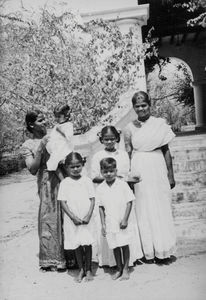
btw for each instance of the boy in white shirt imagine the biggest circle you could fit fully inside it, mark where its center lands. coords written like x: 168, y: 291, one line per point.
x: 115, y: 203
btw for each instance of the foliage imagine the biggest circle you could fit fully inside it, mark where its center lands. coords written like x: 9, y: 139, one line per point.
x: 58, y: 60
x: 195, y: 6
x: 172, y: 97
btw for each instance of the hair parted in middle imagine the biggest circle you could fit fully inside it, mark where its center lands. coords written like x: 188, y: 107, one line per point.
x: 107, y: 129
x: 74, y: 156
x: 142, y: 93
x: 108, y: 162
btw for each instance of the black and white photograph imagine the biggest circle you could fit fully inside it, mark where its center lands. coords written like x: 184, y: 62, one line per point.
x: 102, y: 149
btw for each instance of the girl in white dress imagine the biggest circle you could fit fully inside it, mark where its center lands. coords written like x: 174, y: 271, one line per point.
x: 146, y: 140
x: 76, y: 194
x: 115, y: 203
x: 109, y: 137
x: 60, y: 140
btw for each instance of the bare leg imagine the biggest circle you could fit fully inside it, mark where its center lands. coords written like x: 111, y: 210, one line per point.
x: 88, y: 263
x: 79, y: 255
x: 126, y: 256
x: 118, y: 259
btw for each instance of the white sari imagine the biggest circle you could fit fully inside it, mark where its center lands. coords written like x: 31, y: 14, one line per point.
x: 153, y: 195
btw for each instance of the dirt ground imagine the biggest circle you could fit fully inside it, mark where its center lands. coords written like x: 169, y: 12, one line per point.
x: 20, y: 277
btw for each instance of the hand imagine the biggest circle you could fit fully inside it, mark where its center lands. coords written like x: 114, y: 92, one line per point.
x: 86, y: 219
x: 44, y: 141
x: 104, y: 230
x: 171, y: 181
x: 98, y: 180
x: 123, y: 224
x: 134, y: 179
x: 77, y: 221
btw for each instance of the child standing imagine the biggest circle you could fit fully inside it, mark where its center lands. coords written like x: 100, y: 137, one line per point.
x: 115, y: 204
x: 76, y: 194
x: 60, y: 141
x: 109, y: 137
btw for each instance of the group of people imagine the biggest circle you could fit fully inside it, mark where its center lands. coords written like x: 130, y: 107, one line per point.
x: 120, y: 212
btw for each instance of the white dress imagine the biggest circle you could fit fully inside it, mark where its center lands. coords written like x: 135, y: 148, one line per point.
x: 153, y: 194
x: 106, y: 255
x: 59, y: 146
x: 77, y: 194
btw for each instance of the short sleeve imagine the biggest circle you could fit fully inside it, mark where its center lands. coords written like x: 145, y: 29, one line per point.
x: 167, y: 133
x: 26, y: 149
x: 62, y: 191
x: 25, y: 152
x: 98, y: 196
x: 129, y: 195
x: 95, y: 166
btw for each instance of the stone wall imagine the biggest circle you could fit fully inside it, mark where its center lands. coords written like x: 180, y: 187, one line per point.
x: 189, y: 195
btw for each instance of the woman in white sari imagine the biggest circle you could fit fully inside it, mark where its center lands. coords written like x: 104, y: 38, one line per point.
x: 146, y: 141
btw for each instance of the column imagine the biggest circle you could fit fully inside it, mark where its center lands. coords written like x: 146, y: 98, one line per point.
x: 200, y: 104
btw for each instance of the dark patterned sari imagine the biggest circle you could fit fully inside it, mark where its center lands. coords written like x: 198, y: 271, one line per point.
x: 50, y: 219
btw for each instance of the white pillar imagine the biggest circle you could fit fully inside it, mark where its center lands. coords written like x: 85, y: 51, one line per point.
x: 125, y: 18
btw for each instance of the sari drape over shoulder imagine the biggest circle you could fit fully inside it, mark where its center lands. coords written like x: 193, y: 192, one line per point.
x: 153, y: 195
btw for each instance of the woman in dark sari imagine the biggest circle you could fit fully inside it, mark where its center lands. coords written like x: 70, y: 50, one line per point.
x: 51, y: 251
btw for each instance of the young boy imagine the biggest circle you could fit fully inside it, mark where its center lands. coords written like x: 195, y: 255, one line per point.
x: 115, y: 204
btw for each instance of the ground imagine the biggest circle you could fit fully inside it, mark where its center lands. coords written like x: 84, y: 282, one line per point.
x: 20, y: 277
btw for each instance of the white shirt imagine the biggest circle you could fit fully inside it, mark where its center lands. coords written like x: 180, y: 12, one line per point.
x: 77, y: 194
x: 114, y: 199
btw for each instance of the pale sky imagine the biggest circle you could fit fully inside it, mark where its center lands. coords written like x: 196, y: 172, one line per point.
x: 79, y: 5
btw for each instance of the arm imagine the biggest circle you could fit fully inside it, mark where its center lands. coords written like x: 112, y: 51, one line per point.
x: 75, y: 219
x: 102, y: 217
x: 58, y: 129
x: 59, y: 174
x: 33, y: 163
x: 124, y: 222
x: 87, y: 218
x: 168, y: 160
x: 128, y: 142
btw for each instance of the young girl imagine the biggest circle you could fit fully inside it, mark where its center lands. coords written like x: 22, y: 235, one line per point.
x: 109, y: 137
x: 76, y: 194
x: 60, y: 141
x: 115, y: 204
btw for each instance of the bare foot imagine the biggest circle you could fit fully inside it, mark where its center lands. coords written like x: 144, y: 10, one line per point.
x: 125, y: 275
x: 89, y: 276
x: 117, y: 275
x: 80, y: 276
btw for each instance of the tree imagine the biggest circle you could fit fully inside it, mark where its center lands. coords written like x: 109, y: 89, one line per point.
x: 195, y: 6
x: 58, y: 60
x: 172, y: 97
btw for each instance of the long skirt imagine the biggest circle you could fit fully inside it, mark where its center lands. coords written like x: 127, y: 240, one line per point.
x: 50, y: 222
x: 153, y: 204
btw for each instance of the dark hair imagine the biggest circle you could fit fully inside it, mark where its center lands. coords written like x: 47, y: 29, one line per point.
x: 106, y: 129
x: 63, y: 109
x: 31, y: 118
x: 142, y: 93
x: 74, y: 155
x: 108, y: 162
